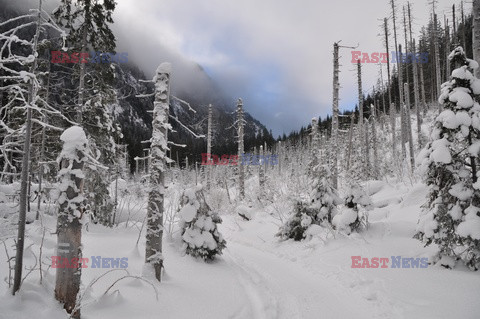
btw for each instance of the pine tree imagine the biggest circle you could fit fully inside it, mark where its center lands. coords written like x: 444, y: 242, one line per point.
x: 198, y: 225
x: 88, y: 23
x: 452, y: 218
x: 319, y: 211
x: 354, y: 215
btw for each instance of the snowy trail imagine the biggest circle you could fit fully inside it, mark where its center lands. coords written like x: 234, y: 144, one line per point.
x: 279, y: 288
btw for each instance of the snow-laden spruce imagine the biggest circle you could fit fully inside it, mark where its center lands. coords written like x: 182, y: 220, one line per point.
x: 319, y: 211
x: 354, y: 215
x: 450, y: 162
x: 198, y: 223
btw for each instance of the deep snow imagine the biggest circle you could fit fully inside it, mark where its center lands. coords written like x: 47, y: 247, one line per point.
x: 259, y: 276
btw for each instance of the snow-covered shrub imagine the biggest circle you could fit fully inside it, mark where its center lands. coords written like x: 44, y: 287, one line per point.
x: 324, y: 197
x: 354, y: 214
x: 199, y: 226
x: 296, y: 226
x: 451, y: 162
x: 320, y: 211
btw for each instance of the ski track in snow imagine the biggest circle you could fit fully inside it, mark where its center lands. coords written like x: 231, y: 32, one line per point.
x: 280, y: 288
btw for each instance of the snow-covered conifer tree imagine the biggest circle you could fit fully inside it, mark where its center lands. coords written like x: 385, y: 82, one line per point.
x: 354, y: 214
x: 198, y: 223
x: 451, y: 161
x: 319, y: 211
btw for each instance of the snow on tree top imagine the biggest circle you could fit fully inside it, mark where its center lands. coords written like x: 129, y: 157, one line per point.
x: 165, y: 67
x: 74, y: 138
x: 462, y: 73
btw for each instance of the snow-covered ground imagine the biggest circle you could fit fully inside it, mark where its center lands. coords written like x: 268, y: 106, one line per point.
x: 258, y: 276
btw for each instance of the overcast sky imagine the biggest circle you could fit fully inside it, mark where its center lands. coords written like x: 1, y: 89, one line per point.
x: 275, y: 54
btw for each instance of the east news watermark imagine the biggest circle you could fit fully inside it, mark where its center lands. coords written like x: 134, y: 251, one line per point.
x: 89, y: 57
x: 392, y: 262
x: 384, y: 57
x: 244, y: 159
x: 94, y: 262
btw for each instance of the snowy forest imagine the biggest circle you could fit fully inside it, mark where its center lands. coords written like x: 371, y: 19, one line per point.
x: 124, y: 194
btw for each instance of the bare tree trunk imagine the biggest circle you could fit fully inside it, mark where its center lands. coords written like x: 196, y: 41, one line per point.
x: 417, y: 100
x: 374, y: 142
x: 391, y: 105
x: 393, y: 124
x: 69, y: 228
x: 209, y: 145
x: 40, y: 170
x: 279, y: 154
x: 367, y: 148
x: 437, y: 60
x: 153, y: 247
x: 241, y: 171
x: 32, y: 93
x: 409, y: 127
x: 403, y: 131
x: 81, y: 85
x: 261, y: 173
x: 350, y: 140
x: 476, y: 34
x: 464, y: 43
x: 398, y: 49
x: 422, y: 90
x: 42, y: 147
x: 447, y: 49
x: 360, y: 115
x: 336, y: 86
x: 454, y: 21
x: 415, y: 80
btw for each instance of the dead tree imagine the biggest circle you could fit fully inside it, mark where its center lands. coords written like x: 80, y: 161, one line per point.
x: 437, y: 58
x: 391, y: 105
x: 153, y: 247
x: 261, y: 172
x: 367, y: 168
x: 336, y: 86
x: 409, y: 126
x: 361, y: 127
x: 350, y: 140
x: 464, y: 43
x: 398, y: 53
x: 415, y: 80
x: 374, y: 142
x: 32, y: 97
x: 476, y: 34
x: 209, y: 145
x: 422, y: 91
x: 69, y: 226
x: 403, y: 130
x: 241, y: 171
